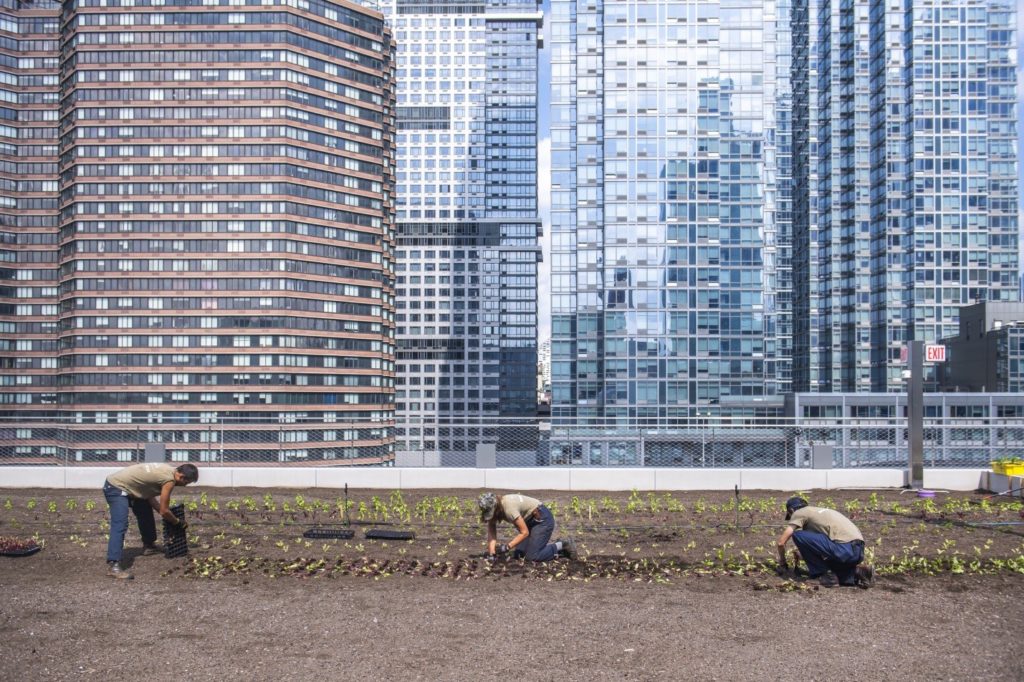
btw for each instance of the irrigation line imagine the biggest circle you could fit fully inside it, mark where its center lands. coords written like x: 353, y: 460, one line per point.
x: 305, y: 524
x: 294, y: 536
x: 288, y: 528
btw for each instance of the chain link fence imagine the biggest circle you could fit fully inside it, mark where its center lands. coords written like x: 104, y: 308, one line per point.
x: 235, y: 442
x: 788, y: 443
x: 702, y: 443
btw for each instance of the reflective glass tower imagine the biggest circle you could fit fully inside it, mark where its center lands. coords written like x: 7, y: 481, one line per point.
x: 906, y: 193
x: 671, y: 146
x: 751, y: 198
x: 215, y: 239
x: 468, y: 225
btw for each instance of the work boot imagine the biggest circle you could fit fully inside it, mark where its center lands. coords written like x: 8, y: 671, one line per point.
x: 115, y: 570
x: 151, y: 549
x: 569, y: 549
x: 865, y: 576
x: 828, y: 580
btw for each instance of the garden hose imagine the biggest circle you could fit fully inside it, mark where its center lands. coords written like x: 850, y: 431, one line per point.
x: 1005, y: 492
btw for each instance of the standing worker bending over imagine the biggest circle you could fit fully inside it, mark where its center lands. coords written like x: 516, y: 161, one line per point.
x: 141, y: 488
x: 532, y: 519
x: 828, y: 541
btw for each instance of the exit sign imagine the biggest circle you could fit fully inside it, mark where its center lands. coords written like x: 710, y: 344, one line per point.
x: 934, y: 353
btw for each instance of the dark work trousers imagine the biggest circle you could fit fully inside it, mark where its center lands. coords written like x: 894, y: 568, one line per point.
x: 119, y: 503
x: 538, y: 547
x: 823, y: 554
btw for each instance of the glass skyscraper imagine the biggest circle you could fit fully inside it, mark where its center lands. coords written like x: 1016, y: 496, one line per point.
x: 752, y: 197
x: 198, y: 223
x: 906, y: 192
x: 671, y: 145
x: 467, y: 224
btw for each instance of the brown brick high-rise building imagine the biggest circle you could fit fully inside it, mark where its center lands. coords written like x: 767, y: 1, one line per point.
x: 211, y: 264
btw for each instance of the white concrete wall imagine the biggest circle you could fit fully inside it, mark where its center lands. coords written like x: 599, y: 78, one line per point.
x: 875, y: 478
x: 85, y: 477
x: 1010, y: 486
x: 952, y: 479
x: 32, y: 477
x: 529, y: 478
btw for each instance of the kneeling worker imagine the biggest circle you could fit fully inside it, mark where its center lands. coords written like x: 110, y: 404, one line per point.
x: 827, y: 541
x: 532, y: 519
x: 142, y: 488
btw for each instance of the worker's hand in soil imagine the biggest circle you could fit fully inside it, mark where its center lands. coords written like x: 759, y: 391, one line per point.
x: 501, y: 549
x: 783, y: 571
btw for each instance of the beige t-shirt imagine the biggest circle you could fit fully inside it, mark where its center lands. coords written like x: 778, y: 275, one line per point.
x: 514, y: 506
x: 827, y: 522
x: 142, y: 480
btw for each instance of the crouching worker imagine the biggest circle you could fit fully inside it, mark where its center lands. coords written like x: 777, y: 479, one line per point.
x: 827, y: 541
x: 534, y: 522
x: 142, y: 488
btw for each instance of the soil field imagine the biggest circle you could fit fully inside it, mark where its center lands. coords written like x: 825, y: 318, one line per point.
x: 667, y: 586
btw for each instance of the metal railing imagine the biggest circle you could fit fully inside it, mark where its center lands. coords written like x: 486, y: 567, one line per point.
x: 700, y: 443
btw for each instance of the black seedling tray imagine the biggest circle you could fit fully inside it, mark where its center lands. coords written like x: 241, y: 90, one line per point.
x: 175, y: 539
x: 382, y: 534
x: 27, y: 551
x: 322, y: 533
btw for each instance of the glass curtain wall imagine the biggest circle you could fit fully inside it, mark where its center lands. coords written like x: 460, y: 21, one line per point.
x: 908, y: 187
x: 468, y: 224
x: 671, y: 146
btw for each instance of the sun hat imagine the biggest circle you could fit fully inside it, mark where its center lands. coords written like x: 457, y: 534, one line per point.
x: 487, y: 503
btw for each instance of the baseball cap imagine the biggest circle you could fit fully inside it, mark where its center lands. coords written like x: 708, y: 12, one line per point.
x: 794, y: 503
x: 487, y: 503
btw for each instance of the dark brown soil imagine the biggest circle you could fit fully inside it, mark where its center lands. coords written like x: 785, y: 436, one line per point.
x: 667, y: 587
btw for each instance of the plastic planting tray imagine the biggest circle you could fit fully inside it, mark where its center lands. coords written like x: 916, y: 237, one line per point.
x: 175, y: 539
x: 383, y: 534
x: 328, y: 533
x: 25, y: 551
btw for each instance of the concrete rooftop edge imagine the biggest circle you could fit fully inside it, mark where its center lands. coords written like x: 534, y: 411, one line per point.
x: 534, y: 478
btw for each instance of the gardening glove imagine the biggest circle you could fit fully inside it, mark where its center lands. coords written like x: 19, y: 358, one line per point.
x: 501, y: 549
x: 181, y: 524
x: 783, y: 571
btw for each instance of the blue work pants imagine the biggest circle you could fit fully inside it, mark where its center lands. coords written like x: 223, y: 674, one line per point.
x: 119, y: 503
x: 538, y: 547
x: 824, y: 554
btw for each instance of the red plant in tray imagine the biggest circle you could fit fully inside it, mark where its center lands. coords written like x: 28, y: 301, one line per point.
x: 15, y: 546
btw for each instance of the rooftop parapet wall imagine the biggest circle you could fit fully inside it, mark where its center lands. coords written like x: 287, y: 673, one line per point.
x: 544, y: 478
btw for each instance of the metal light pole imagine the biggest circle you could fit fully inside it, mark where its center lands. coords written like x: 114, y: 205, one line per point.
x: 915, y: 414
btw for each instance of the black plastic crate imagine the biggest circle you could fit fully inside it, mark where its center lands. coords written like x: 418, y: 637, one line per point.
x: 175, y: 538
